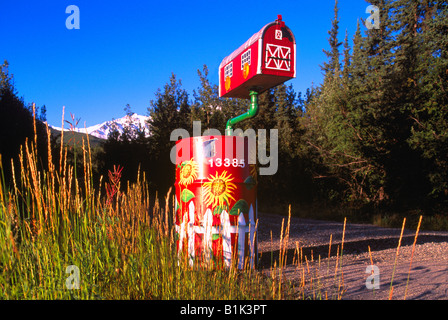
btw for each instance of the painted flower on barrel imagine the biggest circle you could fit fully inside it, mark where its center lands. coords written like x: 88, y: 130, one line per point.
x: 188, y: 172
x: 219, y: 189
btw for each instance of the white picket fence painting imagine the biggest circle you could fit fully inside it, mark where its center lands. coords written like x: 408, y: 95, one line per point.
x: 188, y: 229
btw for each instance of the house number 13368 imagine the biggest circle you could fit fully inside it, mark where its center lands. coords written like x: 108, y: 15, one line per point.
x: 218, y: 162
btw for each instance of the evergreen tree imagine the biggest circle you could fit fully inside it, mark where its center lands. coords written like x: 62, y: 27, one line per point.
x: 405, y: 181
x: 17, y: 125
x: 369, y: 124
x: 170, y: 110
x: 208, y: 107
x: 292, y: 182
x: 330, y: 132
x: 333, y: 65
x: 347, y: 62
x: 429, y: 125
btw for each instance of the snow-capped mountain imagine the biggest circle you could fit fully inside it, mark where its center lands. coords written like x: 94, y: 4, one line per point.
x: 102, y: 130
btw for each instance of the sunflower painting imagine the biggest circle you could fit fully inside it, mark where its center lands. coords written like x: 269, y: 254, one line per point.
x: 218, y: 190
x: 215, y: 202
x: 188, y: 172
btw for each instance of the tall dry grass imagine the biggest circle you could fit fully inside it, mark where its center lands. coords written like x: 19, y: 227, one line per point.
x: 122, y: 244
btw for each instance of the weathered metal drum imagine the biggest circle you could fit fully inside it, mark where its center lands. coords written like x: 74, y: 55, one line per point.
x: 216, y: 201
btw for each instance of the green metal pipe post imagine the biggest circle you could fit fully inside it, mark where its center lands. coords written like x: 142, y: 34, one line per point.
x: 252, y: 112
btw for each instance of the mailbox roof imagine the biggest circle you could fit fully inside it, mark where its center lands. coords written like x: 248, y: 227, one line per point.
x: 245, y: 45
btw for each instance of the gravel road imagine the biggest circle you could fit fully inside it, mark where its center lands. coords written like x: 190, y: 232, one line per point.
x: 424, y: 277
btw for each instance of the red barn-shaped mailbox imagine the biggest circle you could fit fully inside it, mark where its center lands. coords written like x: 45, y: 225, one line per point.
x: 266, y: 60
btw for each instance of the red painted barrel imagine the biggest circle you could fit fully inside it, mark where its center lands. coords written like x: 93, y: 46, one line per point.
x: 216, y: 200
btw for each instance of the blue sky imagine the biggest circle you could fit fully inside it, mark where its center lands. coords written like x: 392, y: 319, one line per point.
x: 125, y: 50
